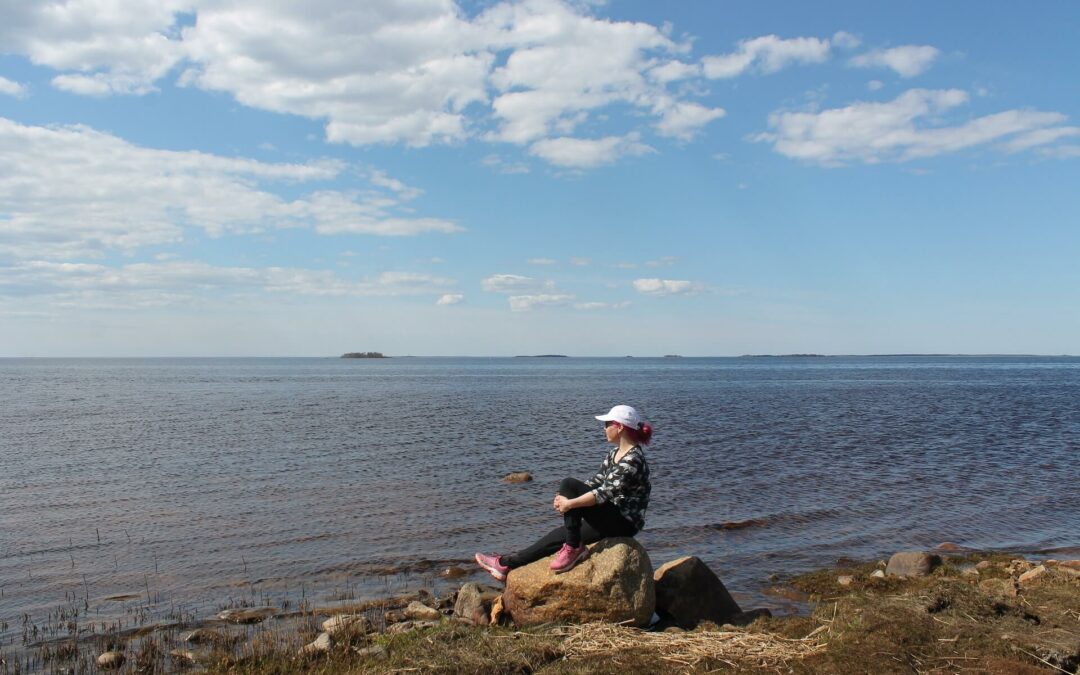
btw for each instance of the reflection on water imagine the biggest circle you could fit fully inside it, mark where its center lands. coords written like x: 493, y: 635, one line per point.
x: 199, y: 480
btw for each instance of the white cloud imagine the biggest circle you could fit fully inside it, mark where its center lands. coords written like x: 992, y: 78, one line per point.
x: 450, y: 299
x: 907, y: 61
x: 874, y: 85
x: 845, y: 40
x: 140, y: 285
x: 582, y: 153
x: 12, y: 88
x: 897, y: 130
x: 593, y: 306
x: 766, y: 54
x: 73, y: 191
x: 662, y: 261
x: 681, y: 119
x: 110, y: 47
x: 580, y: 262
x: 524, y: 303
x: 380, y: 71
x: 1040, y: 137
x: 542, y: 261
x: 514, y: 283
x: 659, y: 287
x: 1062, y: 152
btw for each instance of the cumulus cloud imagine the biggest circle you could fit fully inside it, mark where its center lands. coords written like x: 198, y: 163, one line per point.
x: 658, y: 287
x: 524, y: 303
x: 73, y: 191
x: 514, y: 283
x: 584, y: 153
x: 450, y: 299
x: 116, y: 47
x: 141, y: 285
x: 906, y: 61
x: 905, y: 128
x: 766, y: 54
x: 12, y: 88
x: 380, y: 71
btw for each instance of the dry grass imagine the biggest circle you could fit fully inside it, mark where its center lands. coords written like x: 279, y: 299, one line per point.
x: 688, y: 650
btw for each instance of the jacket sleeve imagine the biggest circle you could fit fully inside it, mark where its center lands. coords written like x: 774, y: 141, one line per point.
x: 616, y: 481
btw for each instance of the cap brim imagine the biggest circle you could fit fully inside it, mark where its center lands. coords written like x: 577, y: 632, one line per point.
x: 605, y: 418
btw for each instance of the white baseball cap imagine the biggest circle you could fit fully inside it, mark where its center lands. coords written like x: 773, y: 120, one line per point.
x: 624, y: 415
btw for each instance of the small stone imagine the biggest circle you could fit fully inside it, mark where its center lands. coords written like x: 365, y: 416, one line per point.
x: 969, y: 572
x: 845, y: 580
x: 205, y: 636
x: 356, y: 623
x: 320, y: 645
x: 878, y: 574
x: 949, y: 547
x: 773, y: 577
x: 496, y: 611
x: 474, y: 601
x: 518, y: 477
x: 183, y: 656
x: 912, y: 564
x: 983, y: 565
x: 454, y: 572
x: 421, y: 612
x: 393, y: 616
x: 1070, y: 564
x: 406, y: 626
x: 245, y: 616
x: 110, y: 660
x: 372, y: 652
x: 1032, y: 574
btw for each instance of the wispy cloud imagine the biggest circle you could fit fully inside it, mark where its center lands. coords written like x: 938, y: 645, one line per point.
x: 661, y: 287
x: 450, y: 299
x: 525, y: 303
x: 585, y: 153
x: 766, y: 54
x: 906, y: 61
x: 905, y: 128
x: 12, y: 88
x: 514, y: 283
x: 73, y: 191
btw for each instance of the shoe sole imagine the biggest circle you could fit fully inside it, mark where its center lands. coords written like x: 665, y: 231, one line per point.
x: 583, y: 556
x: 499, y: 576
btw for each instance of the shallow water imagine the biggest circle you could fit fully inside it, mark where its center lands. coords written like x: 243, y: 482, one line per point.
x: 200, y: 481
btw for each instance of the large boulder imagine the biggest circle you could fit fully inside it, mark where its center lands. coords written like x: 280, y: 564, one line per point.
x: 688, y: 592
x: 912, y: 564
x: 615, y: 584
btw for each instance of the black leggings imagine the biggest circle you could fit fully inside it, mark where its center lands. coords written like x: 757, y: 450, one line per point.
x: 586, y: 525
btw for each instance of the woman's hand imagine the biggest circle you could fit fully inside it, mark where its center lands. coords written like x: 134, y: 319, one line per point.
x: 562, y: 504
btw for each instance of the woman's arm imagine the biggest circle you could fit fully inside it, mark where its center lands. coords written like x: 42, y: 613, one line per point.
x: 562, y: 504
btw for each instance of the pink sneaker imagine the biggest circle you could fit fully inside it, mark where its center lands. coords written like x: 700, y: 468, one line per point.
x: 492, y: 565
x: 569, y: 556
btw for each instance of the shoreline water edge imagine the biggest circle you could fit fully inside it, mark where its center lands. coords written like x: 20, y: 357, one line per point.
x: 947, y: 609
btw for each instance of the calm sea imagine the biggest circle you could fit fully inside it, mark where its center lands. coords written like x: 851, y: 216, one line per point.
x: 197, y: 481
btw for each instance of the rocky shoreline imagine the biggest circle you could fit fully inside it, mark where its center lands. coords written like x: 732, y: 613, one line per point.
x: 917, y: 611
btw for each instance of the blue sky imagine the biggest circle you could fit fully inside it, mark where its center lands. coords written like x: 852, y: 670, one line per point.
x: 497, y: 178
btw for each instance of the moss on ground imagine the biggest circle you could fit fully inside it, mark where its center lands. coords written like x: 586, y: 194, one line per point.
x: 953, y: 620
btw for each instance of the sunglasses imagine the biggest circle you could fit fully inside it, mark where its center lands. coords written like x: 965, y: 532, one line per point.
x: 608, y: 423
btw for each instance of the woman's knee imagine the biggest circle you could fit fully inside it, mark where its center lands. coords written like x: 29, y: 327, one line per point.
x: 572, y: 487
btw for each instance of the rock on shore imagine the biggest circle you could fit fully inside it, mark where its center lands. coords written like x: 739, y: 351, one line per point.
x: 689, y: 592
x: 615, y: 584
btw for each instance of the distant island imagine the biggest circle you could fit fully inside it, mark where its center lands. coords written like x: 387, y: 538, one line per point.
x: 541, y: 356
x: 364, y: 355
x: 672, y: 356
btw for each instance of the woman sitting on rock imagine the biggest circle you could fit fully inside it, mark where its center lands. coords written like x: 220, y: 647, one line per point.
x: 610, y: 504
